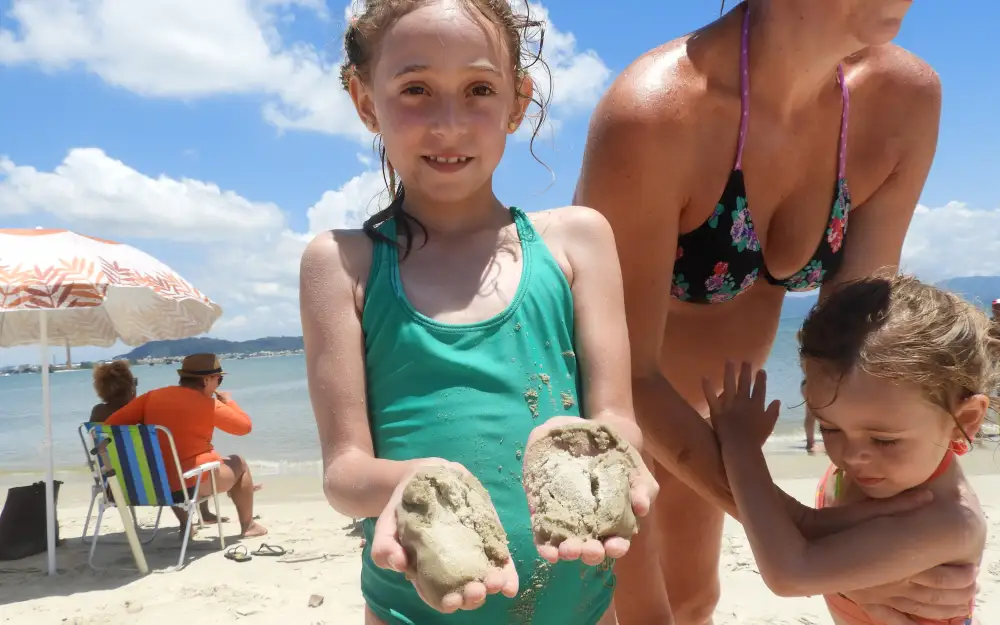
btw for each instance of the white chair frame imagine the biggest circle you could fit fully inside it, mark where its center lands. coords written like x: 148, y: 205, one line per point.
x: 189, y: 505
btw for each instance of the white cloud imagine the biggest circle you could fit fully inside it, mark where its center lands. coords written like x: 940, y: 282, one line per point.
x: 187, y: 49
x: 578, y: 77
x: 253, y: 274
x: 953, y: 240
x: 349, y: 206
x: 90, y: 188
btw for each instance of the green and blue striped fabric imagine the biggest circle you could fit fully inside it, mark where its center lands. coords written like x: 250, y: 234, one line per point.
x: 135, y: 455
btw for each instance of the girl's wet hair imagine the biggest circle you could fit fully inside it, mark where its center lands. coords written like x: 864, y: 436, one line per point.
x: 903, y: 330
x: 524, y: 37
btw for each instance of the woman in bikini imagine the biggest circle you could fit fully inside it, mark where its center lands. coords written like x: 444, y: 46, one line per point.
x: 729, y: 163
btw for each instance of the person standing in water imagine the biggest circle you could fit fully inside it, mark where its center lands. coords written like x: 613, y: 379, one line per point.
x: 781, y: 148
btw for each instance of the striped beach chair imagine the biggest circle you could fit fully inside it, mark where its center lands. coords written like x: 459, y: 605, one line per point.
x: 132, y: 455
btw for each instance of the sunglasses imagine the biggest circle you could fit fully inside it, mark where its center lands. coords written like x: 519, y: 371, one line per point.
x: 220, y: 380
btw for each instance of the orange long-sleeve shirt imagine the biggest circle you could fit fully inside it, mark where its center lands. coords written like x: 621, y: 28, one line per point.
x: 191, y: 418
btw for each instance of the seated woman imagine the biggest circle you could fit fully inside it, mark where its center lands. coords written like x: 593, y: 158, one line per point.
x: 115, y: 386
x: 192, y: 411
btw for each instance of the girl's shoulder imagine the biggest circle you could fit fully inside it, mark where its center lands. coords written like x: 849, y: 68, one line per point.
x: 956, y: 512
x: 577, y: 237
x: 337, y: 262
x: 568, y: 224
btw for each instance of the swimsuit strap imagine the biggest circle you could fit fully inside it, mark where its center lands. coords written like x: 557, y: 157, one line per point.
x: 845, y: 114
x: 744, y: 87
x: 745, y: 101
x: 949, y: 457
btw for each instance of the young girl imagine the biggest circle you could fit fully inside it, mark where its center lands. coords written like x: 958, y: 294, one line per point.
x: 899, y: 375
x: 453, y: 327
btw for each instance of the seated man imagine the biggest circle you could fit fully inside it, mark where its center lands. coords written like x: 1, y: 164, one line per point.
x: 191, y: 411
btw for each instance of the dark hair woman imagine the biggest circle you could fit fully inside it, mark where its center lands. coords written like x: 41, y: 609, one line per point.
x: 729, y: 163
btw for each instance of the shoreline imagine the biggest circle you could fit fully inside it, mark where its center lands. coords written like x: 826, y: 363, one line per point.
x: 785, y: 453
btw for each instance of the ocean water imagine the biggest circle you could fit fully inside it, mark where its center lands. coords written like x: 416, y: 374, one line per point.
x: 273, y: 392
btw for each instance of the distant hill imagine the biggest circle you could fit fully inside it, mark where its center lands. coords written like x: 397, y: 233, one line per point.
x: 980, y: 290
x: 184, y: 347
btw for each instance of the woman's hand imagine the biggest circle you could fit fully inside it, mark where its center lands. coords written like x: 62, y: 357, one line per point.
x: 388, y: 553
x: 643, y: 490
x: 944, y: 592
x: 738, y: 413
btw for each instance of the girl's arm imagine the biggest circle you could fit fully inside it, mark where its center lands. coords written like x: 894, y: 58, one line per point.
x: 601, y: 334
x: 334, y: 267
x: 874, y: 552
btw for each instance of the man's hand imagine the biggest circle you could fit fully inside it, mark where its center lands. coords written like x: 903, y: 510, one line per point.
x: 223, y: 396
x: 944, y: 592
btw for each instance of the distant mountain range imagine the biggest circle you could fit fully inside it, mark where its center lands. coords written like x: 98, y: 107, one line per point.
x: 202, y: 344
x: 980, y: 290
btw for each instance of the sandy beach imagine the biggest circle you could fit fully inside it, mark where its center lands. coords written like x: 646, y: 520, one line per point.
x: 324, y: 559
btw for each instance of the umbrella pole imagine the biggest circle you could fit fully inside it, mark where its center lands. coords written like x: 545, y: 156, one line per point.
x: 50, y: 509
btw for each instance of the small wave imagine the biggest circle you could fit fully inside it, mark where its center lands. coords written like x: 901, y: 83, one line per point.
x: 286, y: 467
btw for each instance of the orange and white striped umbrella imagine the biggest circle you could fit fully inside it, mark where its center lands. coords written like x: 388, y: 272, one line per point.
x: 97, y: 292
x: 62, y: 288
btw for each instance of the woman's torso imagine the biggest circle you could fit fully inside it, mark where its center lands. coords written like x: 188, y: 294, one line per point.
x: 471, y: 391
x: 790, y: 168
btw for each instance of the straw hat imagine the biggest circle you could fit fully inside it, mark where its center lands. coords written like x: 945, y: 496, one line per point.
x: 200, y: 365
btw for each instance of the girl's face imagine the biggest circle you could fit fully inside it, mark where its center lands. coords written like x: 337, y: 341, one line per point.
x: 885, y: 436
x: 443, y: 94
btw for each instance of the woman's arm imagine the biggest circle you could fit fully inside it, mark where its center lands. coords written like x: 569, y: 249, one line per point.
x: 231, y: 419
x: 635, y: 174
x: 877, y: 551
x: 333, y: 266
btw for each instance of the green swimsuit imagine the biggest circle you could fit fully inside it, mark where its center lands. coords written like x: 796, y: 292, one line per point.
x: 472, y: 393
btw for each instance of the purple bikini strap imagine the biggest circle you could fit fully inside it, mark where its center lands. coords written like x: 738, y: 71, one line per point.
x: 745, y: 102
x: 744, y: 87
x: 845, y: 114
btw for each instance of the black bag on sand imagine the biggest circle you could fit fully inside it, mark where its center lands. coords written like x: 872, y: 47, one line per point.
x: 22, y: 522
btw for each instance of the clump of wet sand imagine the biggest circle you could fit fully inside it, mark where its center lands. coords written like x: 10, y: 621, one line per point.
x: 450, y: 531
x: 577, y: 481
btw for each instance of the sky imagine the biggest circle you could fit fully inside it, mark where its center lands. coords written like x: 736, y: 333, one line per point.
x: 215, y: 135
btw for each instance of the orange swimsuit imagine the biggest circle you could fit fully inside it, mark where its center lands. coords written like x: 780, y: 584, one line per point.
x: 842, y: 607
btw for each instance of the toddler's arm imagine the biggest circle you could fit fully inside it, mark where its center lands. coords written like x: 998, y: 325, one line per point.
x: 874, y: 552
x: 334, y: 267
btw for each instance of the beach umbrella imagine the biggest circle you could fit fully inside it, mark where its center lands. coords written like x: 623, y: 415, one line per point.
x: 66, y: 289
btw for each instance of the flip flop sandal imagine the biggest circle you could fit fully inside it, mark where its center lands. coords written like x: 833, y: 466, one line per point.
x: 238, y: 554
x: 270, y: 550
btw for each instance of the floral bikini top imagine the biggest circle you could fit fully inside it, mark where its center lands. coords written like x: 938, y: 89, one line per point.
x: 722, y: 257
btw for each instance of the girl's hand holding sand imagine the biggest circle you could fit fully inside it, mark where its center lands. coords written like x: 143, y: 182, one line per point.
x: 437, y: 550
x: 585, y: 486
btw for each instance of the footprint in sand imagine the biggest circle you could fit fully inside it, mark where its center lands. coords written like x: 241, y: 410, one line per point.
x: 577, y: 481
x: 450, y: 531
